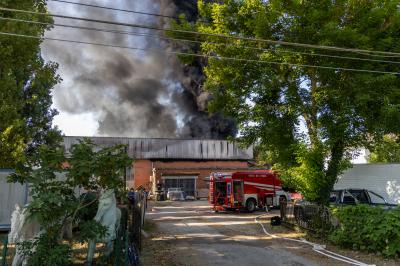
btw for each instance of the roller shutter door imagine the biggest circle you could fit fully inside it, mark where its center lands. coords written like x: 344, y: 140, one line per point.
x: 187, y: 183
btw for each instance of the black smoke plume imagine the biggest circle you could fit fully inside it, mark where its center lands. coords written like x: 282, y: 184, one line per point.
x: 133, y: 94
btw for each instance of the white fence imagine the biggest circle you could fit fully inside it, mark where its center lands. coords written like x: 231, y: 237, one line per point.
x: 10, y: 194
x: 383, y: 179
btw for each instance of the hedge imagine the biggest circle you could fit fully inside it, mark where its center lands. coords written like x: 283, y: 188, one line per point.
x: 368, y: 228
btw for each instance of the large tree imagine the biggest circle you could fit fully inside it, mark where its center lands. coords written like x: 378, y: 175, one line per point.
x: 26, y: 82
x: 306, y: 119
x: 386, y: 151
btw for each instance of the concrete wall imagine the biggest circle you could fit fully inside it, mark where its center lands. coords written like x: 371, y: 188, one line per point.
x: 383, y: 179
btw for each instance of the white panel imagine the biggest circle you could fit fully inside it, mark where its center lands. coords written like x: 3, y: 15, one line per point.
x: 383, y: 179
x: 247, y: 196
x: 10, y: 194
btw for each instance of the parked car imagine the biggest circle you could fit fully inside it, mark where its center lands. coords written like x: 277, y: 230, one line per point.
x: 175, y: 194
x: 189, y: 197
x: 295, y: 196
x: 358, y: 196
x: 305, y: 211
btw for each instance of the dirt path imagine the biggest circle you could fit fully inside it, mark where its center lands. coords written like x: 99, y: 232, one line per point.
x: 189, y: 233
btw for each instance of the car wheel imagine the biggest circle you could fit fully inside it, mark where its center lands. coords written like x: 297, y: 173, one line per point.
x: 250, y: 205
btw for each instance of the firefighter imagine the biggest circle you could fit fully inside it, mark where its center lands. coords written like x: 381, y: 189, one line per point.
x: 131, y: 196
x: 283, y: 205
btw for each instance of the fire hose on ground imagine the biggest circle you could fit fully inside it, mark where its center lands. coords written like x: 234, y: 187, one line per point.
x: 321, y: 249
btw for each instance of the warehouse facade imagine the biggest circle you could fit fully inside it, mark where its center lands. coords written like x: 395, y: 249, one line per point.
x: 185, y: 163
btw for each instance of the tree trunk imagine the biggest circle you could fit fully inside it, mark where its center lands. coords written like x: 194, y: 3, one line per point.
x: 310, y: 115
x: 333, y: 169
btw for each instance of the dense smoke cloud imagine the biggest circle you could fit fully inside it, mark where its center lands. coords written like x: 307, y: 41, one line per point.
x: 135, y: 94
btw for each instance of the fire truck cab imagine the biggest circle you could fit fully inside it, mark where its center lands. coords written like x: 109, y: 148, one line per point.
x: 246, y: 190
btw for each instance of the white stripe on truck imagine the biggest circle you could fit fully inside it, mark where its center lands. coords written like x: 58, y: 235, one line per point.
x: 263, y: 185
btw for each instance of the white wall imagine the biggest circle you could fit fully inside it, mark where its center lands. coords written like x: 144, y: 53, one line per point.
x: 383, y: 179
x: 13, y: 193
x: 10, y: 194
x: 362, y: 156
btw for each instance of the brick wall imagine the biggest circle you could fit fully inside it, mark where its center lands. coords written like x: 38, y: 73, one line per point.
x: 202, y: 169
x: 142, y: 171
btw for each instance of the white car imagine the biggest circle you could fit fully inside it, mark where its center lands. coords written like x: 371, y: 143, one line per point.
x: 175, y: 194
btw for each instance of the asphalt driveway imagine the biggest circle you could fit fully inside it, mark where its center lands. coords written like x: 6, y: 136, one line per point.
x: 189, y: 233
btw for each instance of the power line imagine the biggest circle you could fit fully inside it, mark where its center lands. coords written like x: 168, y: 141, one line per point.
x: 143, y: 34
x: 89, y: 28
x: 200, y: 55
x: 122, y: 10
x: 115, y: 9
x: 334, y: 48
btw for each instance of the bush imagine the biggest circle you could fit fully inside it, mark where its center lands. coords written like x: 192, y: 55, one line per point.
x: 46, y: 250
x: 368, y: 228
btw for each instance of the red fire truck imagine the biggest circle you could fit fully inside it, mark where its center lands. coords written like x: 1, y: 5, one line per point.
x: 246, y: 190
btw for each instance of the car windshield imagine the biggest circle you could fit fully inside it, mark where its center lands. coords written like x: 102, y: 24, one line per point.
x: 349, y: 198
x: 360, y: 195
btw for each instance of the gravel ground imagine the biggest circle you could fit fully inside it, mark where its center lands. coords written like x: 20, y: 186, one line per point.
x: 189, y: 233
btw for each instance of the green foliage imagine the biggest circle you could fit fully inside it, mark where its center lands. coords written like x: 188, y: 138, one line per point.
x: 52, y: 202
x: 307, y: 175
x: 90, y: 205
x: 26, y: 82
x: 98, y: 169
x: 386, y: 151
x: 42, y: 168
x: 192, y: 48
x: 53, y: 180
x: 46, y: 250
x: 52, y: 197
x: 306, y: 119
x: 368, y: 228
x: 91, y: 230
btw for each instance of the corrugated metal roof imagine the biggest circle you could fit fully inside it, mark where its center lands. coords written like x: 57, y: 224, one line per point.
x: 160, y: 148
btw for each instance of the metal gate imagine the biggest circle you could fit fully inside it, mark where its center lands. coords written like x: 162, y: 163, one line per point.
x: 187, y: 183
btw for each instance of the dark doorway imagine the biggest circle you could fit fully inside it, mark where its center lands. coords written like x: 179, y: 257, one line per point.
x: 188, y: 185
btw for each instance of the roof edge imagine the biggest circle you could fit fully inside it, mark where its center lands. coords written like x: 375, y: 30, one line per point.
x: 121, y: 137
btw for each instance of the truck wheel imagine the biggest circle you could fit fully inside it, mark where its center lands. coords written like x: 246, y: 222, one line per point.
x: 250, y: 205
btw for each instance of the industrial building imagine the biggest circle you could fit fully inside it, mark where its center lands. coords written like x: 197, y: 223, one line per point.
x: 185, y: 163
